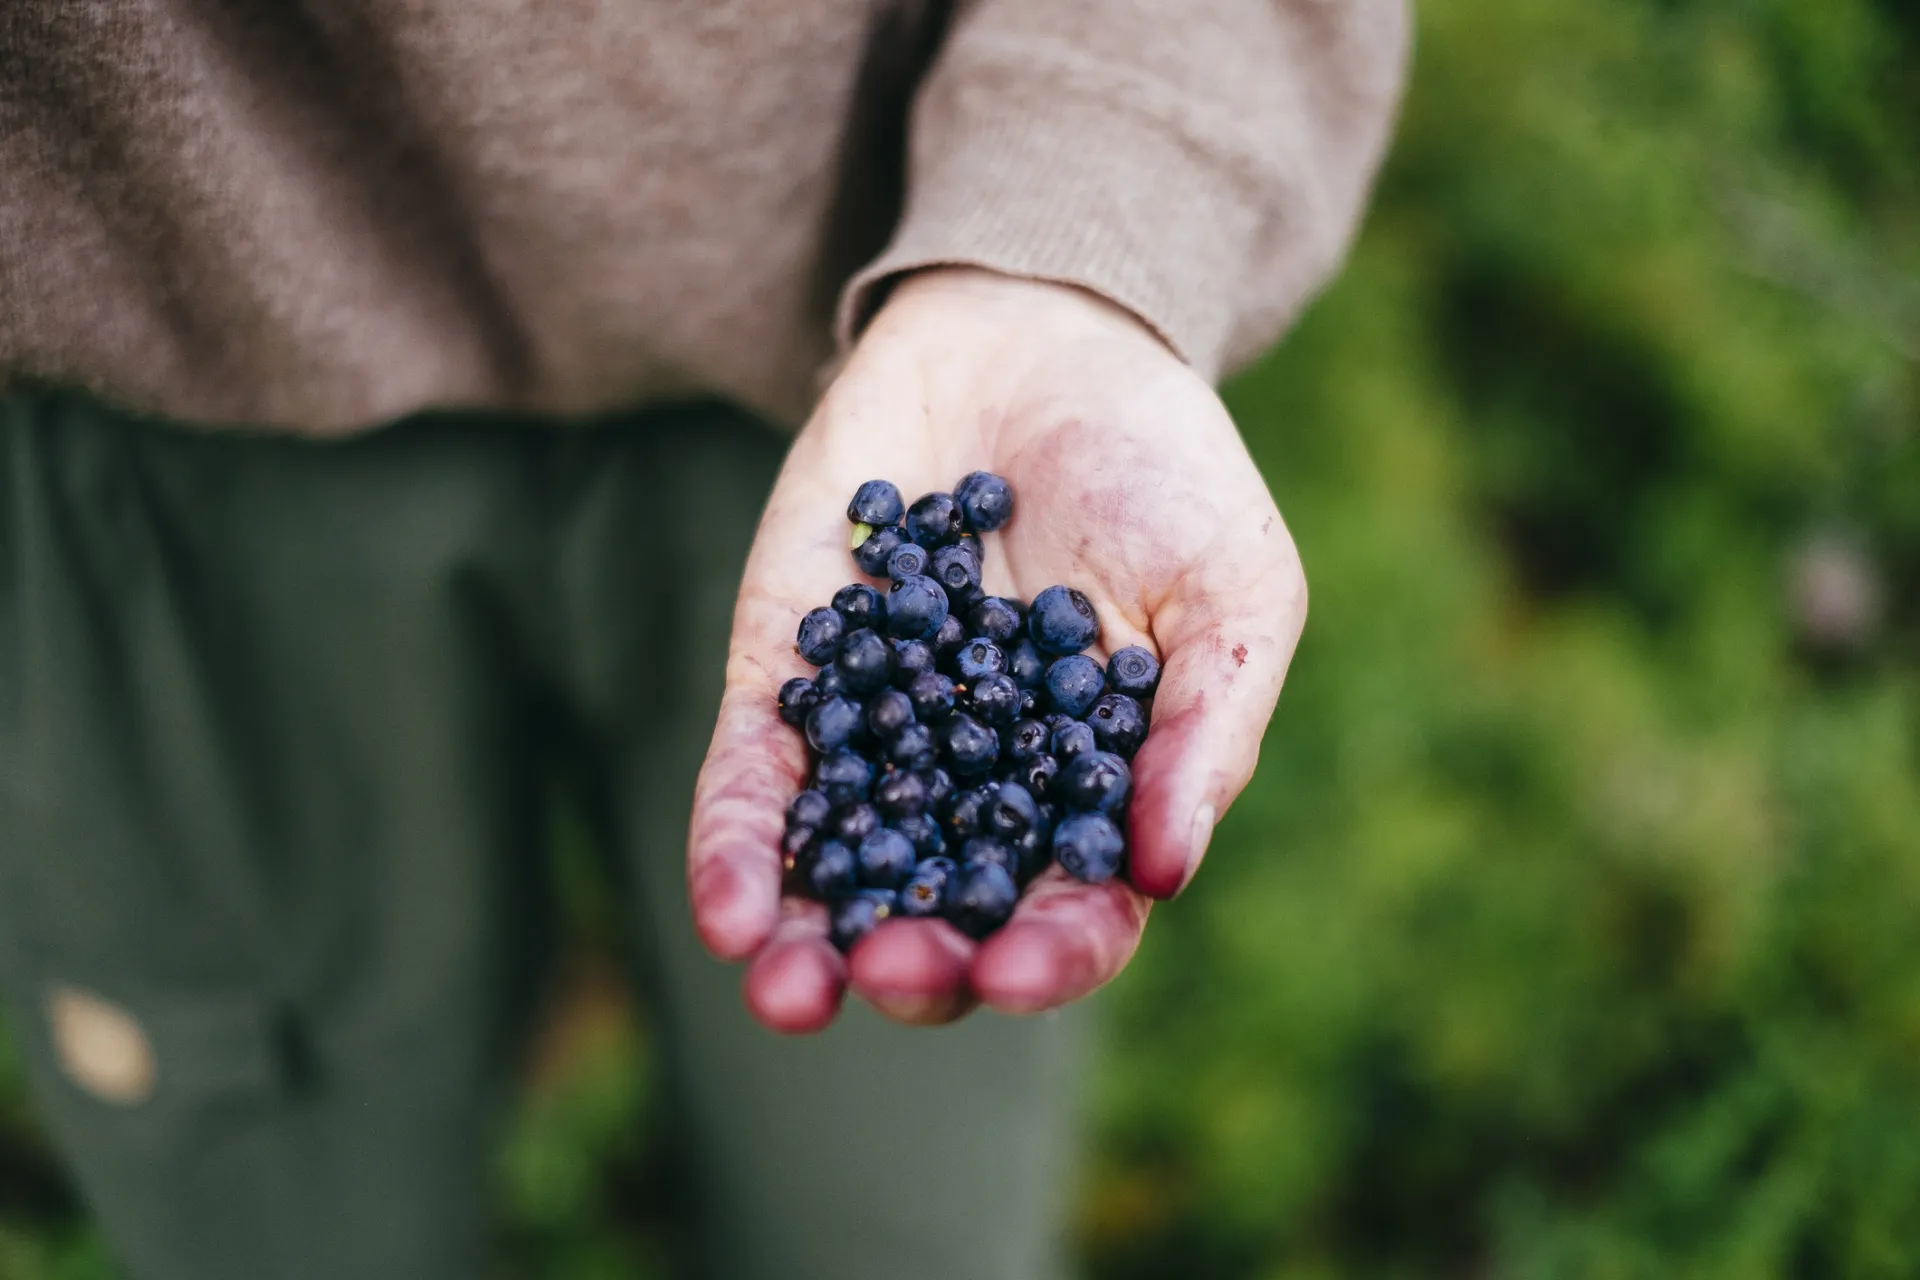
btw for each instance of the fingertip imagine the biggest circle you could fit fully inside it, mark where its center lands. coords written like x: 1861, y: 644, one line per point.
x: 796, y: 987
x: 914, y: 971
x: 1019, y: 971
x: 735, y: 906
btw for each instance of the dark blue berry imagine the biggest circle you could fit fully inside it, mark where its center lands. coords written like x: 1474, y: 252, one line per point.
x: 933, y: 696
x: 948, y: 641
x: 797, y: 698
x: 1072, y: 739
x: 860, y: 605
x: 979, y: 658
x: 997, y: 618
x: 967, y: 816
x: 855, y: 916
x: 854, y: 822
x: 796, y: 844
x: 910, y: 658
x: 876, y: 503
x: 1073, y: 682
x: 1032, y: 851
x: 1012, y: 812
x: 1026, y: 664
x: 957, y: 569
x: 986, y: 501
x: 834, y: 723
x: 1062, y: 621
x: 1089, y: 846
x: 916, y: 607
x: 830, y: 869
x: 1029, y: 704
x: 970, y: 747
x: 809, y: 809
x: 924, y: 830
x: 994, y: 699
x: 900, y: 794
x: 980, y: 898
x: 939, y: 787
x: 866, y: 661
x: 1056, y: 722
x: 829, y: 683
x: 1095, y: 781
x: 844, y: 776
x: 1119, y: 724
x: 819, y: 636
x: 909, y: 560
x: 990, y: 849
x: 934, y: 521
x: 888, y: 712
x: 1037, y: 775
x: 925, y: 891
x: 1026, y: 740
x: 873, y: 554
x: 1134, y: 672
x: 914, y: 747
x: 886, y: 859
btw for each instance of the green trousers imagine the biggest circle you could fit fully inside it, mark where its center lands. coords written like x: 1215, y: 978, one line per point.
x: 275, y: 717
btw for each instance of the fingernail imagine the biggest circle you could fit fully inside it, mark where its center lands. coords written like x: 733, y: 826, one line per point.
x: 1203, y: 819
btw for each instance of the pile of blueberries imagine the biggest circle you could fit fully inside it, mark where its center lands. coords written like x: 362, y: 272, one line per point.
x: 961, y: 742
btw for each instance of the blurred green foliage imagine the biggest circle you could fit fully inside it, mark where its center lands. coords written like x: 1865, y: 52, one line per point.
x: 1571, y: 927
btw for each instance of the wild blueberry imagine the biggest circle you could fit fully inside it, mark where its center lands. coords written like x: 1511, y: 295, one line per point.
x: 1055, y: 721
x: 986, y: 501
x: 916, y: 607
x: 795, y: 842
x: 859, y: 605
x: 957, y: 569
x: 948, y: 640
x: 877, y: 503
x: 1071, y: 739
x: 934, y: 521
x: 1062, y: 621
x: 925, y: 891
x: 809, y: 809
x: 909, y: 560
x: 829, y: 683
x: 1095, y: 781
x: 910, y: 658
x: 1134, y: 672
x: 855, y: 822
x: 997, y: 618
x: 971, y: 748
x: 1029, y: 704
x: 873, y: 554
x: 834, y: 723
x: 994, y: 699
x: 1011, y: 812
x: 1024, y: 741
x: 1032, y: 851
x: 854, y: 917
x: 866, y: 661
x: 967, y: 816
x: 980, y: 898
x: 1089, y: 846
x: 924, y: 830
x: 819, y: 636
x: 888, y: 712
x: 932, y: 695
x: 1037, y: 775
x: 1119, y: 724
x: 885, y: 858
x: 1073, y: 682
x: 989, y: 849
x: 1026, y: 664
x: 939, y: 787
x: 979, y: 658
x: 914, y: 747
x: 831, y: 869
x: 900, y: 794
x: 797, y: 698
x: 844, y: 776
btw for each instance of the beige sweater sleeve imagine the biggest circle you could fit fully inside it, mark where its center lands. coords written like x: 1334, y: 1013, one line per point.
x: 1201, y: 162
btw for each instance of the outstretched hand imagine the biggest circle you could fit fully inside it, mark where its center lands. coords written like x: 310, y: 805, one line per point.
x: 1133, y: 487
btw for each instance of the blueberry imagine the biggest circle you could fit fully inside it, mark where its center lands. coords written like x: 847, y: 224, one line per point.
x: 1037, y: 775
x: 997, y: 618
x: 1056, y: 721
x: 819, y: 636
x: 1032, y: 851
x: 979, y: 658
x: 932, y: 695
x: 1029, y: 704
x: 860, y: 605
x: 1026, y: 740
x: 1071, y: 739
x: 854, y: 822
x: 809, y: 809
x: 1073, y: 682
x: 1062, y: 621
x: 925, y: 891
x: 1134, y: 672
x: 844, y: 776
x: 1119, y: 724
x: 853, y: 917
x: 957, y: 568
x: 934, y: 521
x: 970, y: 747
x: 831, y: 869
x: 994, y: 699
x: 888, y: 712
x: 939, y: 786
x: 968, y: 815
x: 1095, y: 781
x: 1089, y: 846
x: 948, y: 641
x: 866, y: 661
x: 900, y: 794
x: 834, y: 723
x: 914, y: 747
x: 924, y: 830
x: 876, y: 503
x: 980, y: 898
x: 1012, y: 812
x: 885, y: 858
x: 971, y: 541
x: 986, y: 501
x: 916, y: 607
x: 990, y: 849
x: 796, y: 844
x: 910, y: 658
x: 829, y: 683
x: 1026, y: 664
x: 797, y: 698
x: 908, y: 560
x: 872, y: 555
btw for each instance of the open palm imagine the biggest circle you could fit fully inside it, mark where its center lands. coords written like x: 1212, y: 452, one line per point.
x: 1133, y: 487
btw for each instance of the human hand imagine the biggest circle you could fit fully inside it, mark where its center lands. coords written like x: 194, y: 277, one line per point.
x: 1132, y: 486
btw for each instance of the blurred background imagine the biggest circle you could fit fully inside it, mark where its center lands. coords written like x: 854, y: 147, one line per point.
x: 1571, y: 927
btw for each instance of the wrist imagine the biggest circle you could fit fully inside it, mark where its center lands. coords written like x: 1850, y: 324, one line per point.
x: 962, y: 303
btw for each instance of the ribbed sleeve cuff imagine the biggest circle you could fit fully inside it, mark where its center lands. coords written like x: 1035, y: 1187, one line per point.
x: 1076, y: 191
